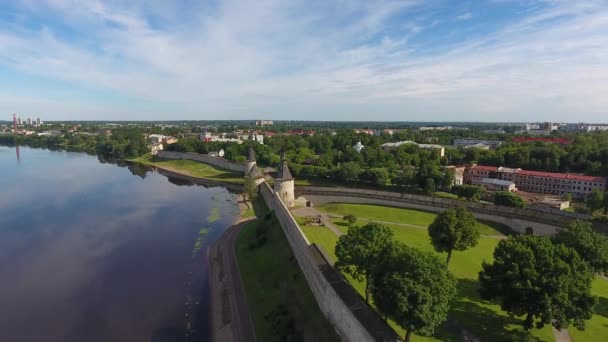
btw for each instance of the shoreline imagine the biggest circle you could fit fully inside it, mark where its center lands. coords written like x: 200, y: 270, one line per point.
x: 230, y: 317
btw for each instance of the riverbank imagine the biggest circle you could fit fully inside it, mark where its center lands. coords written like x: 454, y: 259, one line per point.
x: 191, y: 169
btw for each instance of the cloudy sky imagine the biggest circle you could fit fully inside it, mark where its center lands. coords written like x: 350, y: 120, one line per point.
x: 410, y: 60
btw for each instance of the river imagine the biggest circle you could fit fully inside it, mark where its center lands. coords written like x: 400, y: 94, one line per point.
x: 93, y: 251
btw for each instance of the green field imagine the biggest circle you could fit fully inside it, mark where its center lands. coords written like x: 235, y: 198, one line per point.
x: 597, y: 326
x: 399, y: 215
x: 481, y: 318
x: 192, y: 168
x: 280, y: 300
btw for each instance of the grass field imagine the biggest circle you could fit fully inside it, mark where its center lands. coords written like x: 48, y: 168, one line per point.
x: 192, y: 168
x: 281, y: 302
x: 388, y: 214
x: 597, y: 326
x: 481, y: 318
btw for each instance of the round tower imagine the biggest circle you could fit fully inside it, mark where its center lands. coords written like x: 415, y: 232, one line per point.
x: 284, y: 184
x: 250, y: 163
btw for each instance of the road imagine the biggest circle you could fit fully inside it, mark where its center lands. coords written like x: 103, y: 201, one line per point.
x: 230, y: 314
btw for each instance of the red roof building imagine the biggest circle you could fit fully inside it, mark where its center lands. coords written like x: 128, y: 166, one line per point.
x: 580, y: 186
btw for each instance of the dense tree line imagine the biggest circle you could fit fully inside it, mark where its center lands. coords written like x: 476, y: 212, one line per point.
x: 124, y: 142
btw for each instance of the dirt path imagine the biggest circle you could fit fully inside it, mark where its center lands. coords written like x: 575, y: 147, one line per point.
x: 230, y: 315
x: 561, y: 336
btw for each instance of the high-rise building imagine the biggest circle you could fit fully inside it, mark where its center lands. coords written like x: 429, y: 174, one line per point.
x: 38, y: 122
x: 19, y: 121
x: 29, y: 121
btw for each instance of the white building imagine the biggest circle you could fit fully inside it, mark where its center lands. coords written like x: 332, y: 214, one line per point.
x: 358, y: 146
x: 394, y: 145
x: 467, y: 143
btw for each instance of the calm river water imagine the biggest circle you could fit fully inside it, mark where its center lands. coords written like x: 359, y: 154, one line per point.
x: 91, y: 251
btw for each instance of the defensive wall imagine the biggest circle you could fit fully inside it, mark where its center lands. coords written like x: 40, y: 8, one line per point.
x: 203, y: 158
x: 516, y: 218
x: 351, y: 316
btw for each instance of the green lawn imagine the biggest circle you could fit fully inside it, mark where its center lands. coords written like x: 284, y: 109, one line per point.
x: 399, y: 215
x: 481, y: 318
x: 280, y: 300
x: 192, y: 168
x: 597, y: 327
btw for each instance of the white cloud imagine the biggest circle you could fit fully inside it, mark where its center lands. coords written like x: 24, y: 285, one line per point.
x: 318, y: 61
x: 464, y: 16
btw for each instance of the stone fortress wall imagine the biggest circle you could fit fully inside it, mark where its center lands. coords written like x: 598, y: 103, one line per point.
x: 352, y: 318
x: 517, y: 219
x: 203, y: 158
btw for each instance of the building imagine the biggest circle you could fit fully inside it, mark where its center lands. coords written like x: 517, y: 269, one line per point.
x: 458, y: 173
x: 433, y: 128
x: 364, y: 131
x: 493, y: 184
x: 161, y: 139
x: 264, y: 123
x: 559, y: 184
x: 394, y: 145
x: 494, y: 131
x: 284, y: 184
x: 358, y: 146
x: 468, y: 143
x: 252, y: 173
x: 593, y: 128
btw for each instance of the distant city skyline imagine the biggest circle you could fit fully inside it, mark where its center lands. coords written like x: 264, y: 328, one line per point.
x: 386, y: 60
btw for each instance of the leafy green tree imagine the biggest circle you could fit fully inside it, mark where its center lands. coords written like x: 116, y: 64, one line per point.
x: 509, y: 199
x: 454, y: 229
x: 448, y: 178
x: 429, y: 186
x: 469, y: 192
x: 358, y: 251
x: 595, y: 200
x: 590, y: 245
x: 548, y: 283
x: 350, y: 218
x: 568, y: 197
x: 349, y: 171
x: 413, y: 288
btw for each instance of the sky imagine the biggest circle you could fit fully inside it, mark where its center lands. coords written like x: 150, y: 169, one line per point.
x: 381, y: 60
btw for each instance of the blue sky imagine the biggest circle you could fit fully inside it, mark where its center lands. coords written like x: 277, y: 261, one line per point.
x: 410, y: 60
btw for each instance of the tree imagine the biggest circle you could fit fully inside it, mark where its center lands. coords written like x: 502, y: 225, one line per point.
x: 568, y: 197
x: 350, y: 218
x: 509, y: 199
x: 454, y: 229
x: 358, y: 251
x: 448, y: 178
x: 469, y: 192
x: 590, y: 245
x: 595, y: 200
x: 413, y: 288
x: 548, y: 283
x: 429, y: 186
x: 349, y: 171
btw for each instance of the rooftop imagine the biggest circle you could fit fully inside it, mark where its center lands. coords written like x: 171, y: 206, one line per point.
x: 497, y: 182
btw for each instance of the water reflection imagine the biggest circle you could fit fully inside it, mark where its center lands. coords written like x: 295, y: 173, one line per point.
x: 90, y: 253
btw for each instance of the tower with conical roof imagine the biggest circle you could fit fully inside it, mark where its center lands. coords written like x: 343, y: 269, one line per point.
x: 252, y: 173
x: 284, y: 184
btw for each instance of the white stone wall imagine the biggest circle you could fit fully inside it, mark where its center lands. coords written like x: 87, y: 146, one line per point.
x: 332, y: 306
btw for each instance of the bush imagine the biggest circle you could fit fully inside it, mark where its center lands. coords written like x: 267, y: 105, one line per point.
x: 350, y: 218
x: 509, y: 199
x: 469, y: 192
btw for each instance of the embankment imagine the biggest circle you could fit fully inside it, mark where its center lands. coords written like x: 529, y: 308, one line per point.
x: 203, y: 158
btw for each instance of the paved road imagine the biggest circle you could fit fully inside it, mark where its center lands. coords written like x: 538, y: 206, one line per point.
x: 231, y: 319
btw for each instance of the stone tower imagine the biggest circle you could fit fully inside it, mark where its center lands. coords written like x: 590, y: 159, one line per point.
x: 284, y: 184
x: 250, y: 163
x: 251, y: 169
